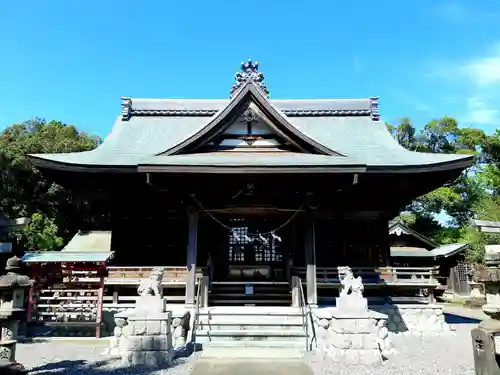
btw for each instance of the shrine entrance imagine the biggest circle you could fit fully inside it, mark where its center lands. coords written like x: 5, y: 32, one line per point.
x: 254, y: 251
x: 249, y: 259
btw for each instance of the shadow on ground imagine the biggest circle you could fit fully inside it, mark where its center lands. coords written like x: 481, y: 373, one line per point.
x: 456, y: 319
x: 106, y: 367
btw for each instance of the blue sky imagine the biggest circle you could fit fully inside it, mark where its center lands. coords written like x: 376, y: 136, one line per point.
x: 72, y: 60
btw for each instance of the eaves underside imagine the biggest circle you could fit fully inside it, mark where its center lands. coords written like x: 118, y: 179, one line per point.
x: 248, y: 168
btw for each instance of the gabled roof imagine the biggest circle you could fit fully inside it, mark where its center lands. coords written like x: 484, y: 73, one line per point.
x: 443, y: 251
x: 397, y: 228
x: 487, y: 226
x: 335, y: 134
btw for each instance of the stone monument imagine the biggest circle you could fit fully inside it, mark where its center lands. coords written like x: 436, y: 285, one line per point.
x: 13, y: 287
x: 353, y: 333
x: 143, y: 335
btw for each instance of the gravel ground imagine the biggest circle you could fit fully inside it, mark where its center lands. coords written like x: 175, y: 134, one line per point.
x: 431, y: 355
x: 57, y: 358
x: 416, y: 356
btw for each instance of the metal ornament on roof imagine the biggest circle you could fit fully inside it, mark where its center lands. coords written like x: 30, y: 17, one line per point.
x: 249, y: 73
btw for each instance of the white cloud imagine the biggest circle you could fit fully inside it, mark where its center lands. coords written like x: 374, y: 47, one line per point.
x: 481, y: 112
x: 459, y: 13
x: 475, y: 84
x: 484, y: 71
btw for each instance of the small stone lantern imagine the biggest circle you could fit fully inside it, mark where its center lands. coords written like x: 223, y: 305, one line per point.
x: 13, y: 287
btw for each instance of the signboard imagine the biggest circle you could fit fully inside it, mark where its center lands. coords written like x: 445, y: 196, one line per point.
x: 248, y: 290
x: 5, y: 247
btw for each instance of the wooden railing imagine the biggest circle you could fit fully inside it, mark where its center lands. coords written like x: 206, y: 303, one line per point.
x: 172, y: 276
x: 419, y: 277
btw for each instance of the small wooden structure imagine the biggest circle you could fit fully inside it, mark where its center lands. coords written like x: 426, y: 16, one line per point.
x: 412, y: 249
x: 68, y: 289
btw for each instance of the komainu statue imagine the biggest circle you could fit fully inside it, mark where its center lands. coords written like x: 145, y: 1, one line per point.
x: 350, y: 283
x: 152, y: 285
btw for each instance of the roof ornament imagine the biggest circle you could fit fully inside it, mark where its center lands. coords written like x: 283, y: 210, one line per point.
x: 374, y: 108
x: 249, y: 73
x: 126, y: 112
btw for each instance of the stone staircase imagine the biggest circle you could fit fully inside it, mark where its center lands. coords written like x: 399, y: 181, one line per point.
x: 256, y: 326
x: 263, y: 293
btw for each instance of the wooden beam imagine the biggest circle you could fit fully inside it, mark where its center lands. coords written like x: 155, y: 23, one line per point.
x: 192, y: 249
x: 100, y: 300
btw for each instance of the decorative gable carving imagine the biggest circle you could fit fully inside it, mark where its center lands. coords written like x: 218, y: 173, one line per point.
x: 250, y: 131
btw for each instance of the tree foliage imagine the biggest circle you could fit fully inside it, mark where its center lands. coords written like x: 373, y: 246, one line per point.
x: 54, y: 219
x: 474, y: 195
x: 24, y: 190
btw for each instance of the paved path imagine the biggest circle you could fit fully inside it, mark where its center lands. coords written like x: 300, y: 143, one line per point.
x: 242, y: 366
x: 459, y: 310
x: 251, y: 361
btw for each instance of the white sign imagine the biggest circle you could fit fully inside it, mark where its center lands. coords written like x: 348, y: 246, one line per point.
x: 496, y: 342
x: 248, y: 290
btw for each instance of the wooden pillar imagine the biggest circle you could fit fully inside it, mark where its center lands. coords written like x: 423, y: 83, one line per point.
x: 101, y: 271
x: 310, y: 255
x: 192, y: 247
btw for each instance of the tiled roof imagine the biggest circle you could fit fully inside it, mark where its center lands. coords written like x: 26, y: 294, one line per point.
x: 350, y: 128
x: 442, y: 251
x: 66, y: 257
x: 95, y: 241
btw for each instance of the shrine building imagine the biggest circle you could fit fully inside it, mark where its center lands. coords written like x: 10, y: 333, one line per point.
x: 250, y: 189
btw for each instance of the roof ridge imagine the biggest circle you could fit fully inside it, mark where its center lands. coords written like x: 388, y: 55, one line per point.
x: 128, y: 109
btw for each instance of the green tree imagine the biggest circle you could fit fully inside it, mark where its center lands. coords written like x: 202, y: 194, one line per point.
x: 42, y: 234
x: 24, y: 190
x: 457, y: 198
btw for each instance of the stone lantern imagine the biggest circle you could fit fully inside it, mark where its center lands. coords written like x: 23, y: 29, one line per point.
x: 13, y: 288
x: 486, y: 338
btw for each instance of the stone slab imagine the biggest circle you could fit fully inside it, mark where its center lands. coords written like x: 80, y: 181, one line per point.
x: 220, y: 366
x: 369, y: 314
x: 134, y: 316
x: 251, y: 352
x: 149, y: 305
x: 351, y: 303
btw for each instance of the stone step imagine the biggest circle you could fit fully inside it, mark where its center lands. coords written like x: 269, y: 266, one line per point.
x: 251, y: 302
x: 255, y: 311
x: 251, y: 319
x: 284, y: 343
x: 252, y: 335
x: 257, y: 353
x: 228, y: 294
x: 247, y: 327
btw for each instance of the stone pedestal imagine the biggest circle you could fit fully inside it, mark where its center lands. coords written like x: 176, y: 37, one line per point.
x: 150, y: 342
x: 352, y: 334
x: 143, y: 336
x: 351, y: 303
x: 355, y: 337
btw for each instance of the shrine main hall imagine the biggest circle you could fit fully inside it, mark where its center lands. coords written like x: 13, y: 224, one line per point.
x: 250, y: 189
